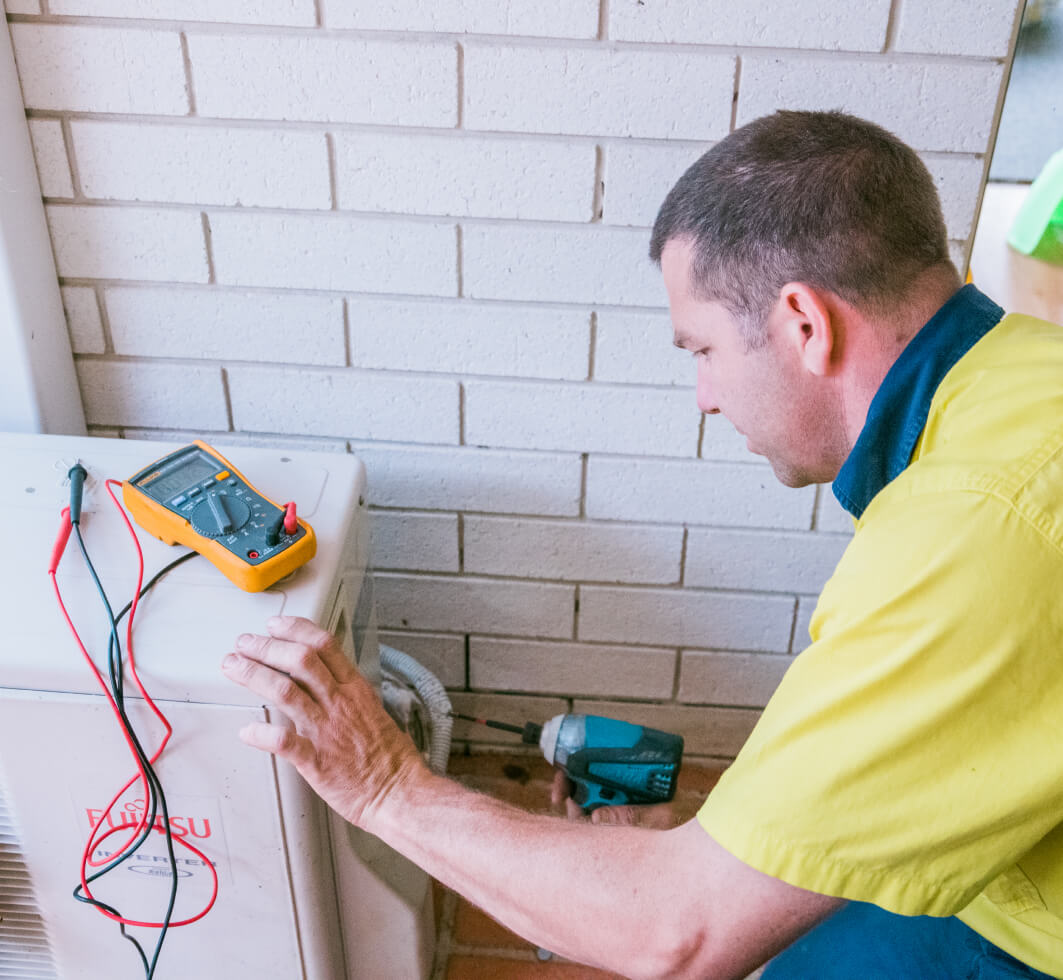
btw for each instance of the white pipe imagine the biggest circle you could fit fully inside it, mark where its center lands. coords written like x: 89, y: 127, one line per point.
x: 429, y: 689
x: 38, y: 386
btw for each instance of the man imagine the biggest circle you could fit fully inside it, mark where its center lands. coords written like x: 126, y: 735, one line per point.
x: 909, y: 769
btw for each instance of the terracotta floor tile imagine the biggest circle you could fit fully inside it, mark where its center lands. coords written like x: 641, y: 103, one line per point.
x: 498, y: 968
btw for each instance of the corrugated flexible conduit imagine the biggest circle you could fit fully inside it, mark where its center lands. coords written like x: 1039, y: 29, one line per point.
x: 408, y: 672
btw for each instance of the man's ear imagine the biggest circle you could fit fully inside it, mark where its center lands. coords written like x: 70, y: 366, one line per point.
x: 807, y: 322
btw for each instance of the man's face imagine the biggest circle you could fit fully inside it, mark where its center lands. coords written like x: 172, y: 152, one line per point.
x: 765, y: 392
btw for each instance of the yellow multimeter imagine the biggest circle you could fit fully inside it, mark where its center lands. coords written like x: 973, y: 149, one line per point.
x: 197, y: 498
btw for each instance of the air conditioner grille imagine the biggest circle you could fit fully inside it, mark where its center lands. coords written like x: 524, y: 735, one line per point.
x: 25, y: 953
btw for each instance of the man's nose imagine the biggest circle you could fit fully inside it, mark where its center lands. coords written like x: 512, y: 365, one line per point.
x: 705, y: 395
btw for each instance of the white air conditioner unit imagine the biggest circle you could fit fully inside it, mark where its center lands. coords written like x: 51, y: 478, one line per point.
x: 301, y: 893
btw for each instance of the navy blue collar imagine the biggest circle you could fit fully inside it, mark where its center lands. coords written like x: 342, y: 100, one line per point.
x: 899, y: 409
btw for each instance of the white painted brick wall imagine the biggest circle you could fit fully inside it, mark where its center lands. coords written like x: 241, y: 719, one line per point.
x: 601, y: 92
x: 685, y: 617
x: 294, y: 13
x: 933, y: 106
x: 83, y: 319
x: 813, y: 24
x: 469, y: 338
x: 472, y: 479
x: 562, y: 265
x: 714, y: 677
x: 222, y: 325
x: 571, y: 668
x: 574, y: 550
x: 128, y: 243
x: 955, y: 27
x: 326, y: 80
x: 333, y: 252
x: 142, y: 393
x: 201, y: 165
x: 100, y: 69
x: 418, y: 542
x: 581, y: 418
x: 695, y: 492
x: 476, y: 605
x: 355, y: 404
x: 761, y: 560
x: 49, y: 150
x: 464, y: 175
x: 418, y: 232
x: 551, y: 18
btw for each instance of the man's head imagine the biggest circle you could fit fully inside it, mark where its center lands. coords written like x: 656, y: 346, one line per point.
x: 821, y: 198
x: 800, y: 254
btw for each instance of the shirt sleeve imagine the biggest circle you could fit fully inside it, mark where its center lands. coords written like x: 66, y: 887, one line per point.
x: 912, y: 752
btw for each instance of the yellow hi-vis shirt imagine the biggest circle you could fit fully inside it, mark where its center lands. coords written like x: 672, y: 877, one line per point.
x: 912, y: 756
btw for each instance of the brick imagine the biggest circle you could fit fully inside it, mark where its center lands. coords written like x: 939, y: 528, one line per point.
x: 202, y: 165
x: 762, y: 561
x: 571, y: 668
x: 806, y: 606
x: 49, y: 150
x: 696, y: 492
x: 753, y: 23
x: 465, y: 175
x: 354, y: 404
x: 100, y: 69
x: 334, y: 252
x: 152, y: 395
x: 831, y: 516
x: 472, y: 479
x: 930, y: 105
x: 83, y: 319
x: 575, y: 550
x: 959, y: 184
x: 291, y: 13
x: 638, y: 178
x: 442, y: 654
x: 415, y: 542
x: 721, y: 441
x: 636, y: 348
x: 512, y: 708
x: 471, y: 338
x: 552, y: 18
x: 685, y: 617
x: 705, y: 731
x: 236, y: 439
x: 224, y: 325
x: 564, y: 265
x: 747, y: 679
x: 581, y: 418
x: 98, y: 242
x: 954, y: 27
x: 598, y: 92
x: 427, y: 602
x: 266, y: 76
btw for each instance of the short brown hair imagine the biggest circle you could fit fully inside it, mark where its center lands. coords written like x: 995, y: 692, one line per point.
x: 822, y: 198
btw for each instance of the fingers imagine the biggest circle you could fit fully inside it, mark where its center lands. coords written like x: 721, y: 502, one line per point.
x: 560, y: 788
x: 272, y: 685
x: 301, y: 662
x: 281, y: 741
x: 296, y: 629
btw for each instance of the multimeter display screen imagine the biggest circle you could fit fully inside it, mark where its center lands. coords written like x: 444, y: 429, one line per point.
x: 190, y: 472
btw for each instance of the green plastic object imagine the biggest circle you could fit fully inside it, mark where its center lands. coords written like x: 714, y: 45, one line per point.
x: 1038, y: 227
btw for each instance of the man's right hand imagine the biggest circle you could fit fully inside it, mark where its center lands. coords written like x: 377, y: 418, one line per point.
x: 659, y: 816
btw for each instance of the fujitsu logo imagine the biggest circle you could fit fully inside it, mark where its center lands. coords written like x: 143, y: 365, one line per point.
x: 133, y: 812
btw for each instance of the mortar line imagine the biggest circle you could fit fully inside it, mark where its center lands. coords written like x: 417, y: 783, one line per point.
x: 701, y: 437
x: 71, y: 159
x: 603, y: 20
x: 459, y: 265
x: 105, y: 320
x: 461, y: 414
x: 598, y: 196
x: 734, y: 96
x: 575, y: 612
x: 460, y: 116
x: 346, y: 333
x: 228, y: 398
x: 319, y: 14
x: 330, y: 151
x: 208, y: 242
x: 593, y: 345
x: 461, y: 543
x: 815, y: 507
x: 892, y: 26
x: 793, y: 626
x: 676, y: 675
x: 190, y: 90
x: 683, y: 556
x: 468, y: 668
x: 583, y: 485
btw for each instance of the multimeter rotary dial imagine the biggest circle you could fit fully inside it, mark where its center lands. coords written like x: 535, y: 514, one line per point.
x: 220, y: 514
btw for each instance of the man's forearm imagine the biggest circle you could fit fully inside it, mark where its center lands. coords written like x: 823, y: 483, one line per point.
x: 600, y: 894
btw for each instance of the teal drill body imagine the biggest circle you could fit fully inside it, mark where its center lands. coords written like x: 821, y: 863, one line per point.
x: 611, y: 762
